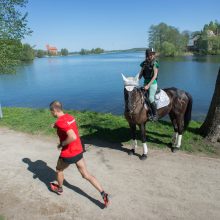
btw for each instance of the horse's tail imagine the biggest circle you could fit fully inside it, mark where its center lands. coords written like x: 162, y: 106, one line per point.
x: 187, y: 115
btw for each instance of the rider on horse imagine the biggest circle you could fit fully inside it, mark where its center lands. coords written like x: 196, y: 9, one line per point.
x: 149, y: 71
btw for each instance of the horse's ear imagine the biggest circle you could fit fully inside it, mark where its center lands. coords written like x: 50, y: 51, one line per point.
x: 124, y: 78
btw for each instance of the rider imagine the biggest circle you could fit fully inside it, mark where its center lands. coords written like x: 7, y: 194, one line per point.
x: 149, y: 71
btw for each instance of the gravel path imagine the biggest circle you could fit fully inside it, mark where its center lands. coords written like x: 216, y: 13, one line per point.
x: 165, y: 186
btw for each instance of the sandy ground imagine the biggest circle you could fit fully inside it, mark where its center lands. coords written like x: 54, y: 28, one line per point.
x: 165, y: 186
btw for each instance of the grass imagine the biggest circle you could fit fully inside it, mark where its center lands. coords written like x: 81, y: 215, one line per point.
x: 104, y: 127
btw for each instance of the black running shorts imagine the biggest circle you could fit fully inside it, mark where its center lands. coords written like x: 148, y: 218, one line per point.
x: 64, y: 162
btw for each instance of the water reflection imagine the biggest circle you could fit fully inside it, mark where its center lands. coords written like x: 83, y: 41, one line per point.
x: 209, y: 59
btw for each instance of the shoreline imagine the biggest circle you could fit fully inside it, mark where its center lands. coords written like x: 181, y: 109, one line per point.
x: 199, y: 117
x: 107, y: 127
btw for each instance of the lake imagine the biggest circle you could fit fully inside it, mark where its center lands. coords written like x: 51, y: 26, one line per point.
x: 94, y: 82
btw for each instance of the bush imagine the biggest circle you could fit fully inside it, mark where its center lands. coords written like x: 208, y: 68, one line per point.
x: 168, y: 49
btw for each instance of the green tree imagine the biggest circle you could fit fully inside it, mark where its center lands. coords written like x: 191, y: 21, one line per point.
x: 98, y: 50
x: 10, y: 51
x: 84, y: 52
x: 184, y: 40
x: 13, y: 28
x: 158, y: 34
x: 209, y: 39
x: 168, y: 49
x: 40, y: 53
x: 64, y: 52
x: 27, y: 53
x: 92, y: 51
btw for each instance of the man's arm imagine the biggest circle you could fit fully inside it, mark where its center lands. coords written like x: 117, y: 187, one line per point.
x: 71, y: 136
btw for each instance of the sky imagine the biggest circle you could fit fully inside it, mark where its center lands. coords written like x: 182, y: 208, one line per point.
x: 111, y: 24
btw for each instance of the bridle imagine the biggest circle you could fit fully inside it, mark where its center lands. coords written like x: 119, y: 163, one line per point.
x: 135, y: 104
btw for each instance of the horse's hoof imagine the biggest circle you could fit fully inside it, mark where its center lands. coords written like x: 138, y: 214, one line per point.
x: 174, y: 149
x: 143, y: 157
x: 131, y: 152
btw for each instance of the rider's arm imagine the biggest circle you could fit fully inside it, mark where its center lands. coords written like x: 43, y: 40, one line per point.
x: 153, y: 78
x: 141, y: 73
x: 142, y: 70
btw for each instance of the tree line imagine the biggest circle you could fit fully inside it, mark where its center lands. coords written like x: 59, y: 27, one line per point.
x: 169, y: 41
x: 92, y: 51
x: 13, y: 28
x: 208, y: 41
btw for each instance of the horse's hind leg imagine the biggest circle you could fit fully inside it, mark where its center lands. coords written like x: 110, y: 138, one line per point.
x: 143, y: 138
x: 180, y: 124
x: 175, y: 127
x: 133, y: 135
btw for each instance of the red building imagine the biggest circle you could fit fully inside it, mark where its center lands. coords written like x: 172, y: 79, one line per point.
x: 51, y: 50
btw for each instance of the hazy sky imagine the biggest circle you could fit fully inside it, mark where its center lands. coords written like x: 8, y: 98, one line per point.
x: 111, y: 24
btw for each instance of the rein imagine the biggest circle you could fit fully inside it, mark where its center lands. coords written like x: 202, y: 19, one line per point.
x: 134, y: 105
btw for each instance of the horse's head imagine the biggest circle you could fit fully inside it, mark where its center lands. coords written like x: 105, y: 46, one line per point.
x: 132, y: 93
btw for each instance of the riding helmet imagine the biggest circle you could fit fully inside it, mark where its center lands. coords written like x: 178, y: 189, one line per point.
x: 149, y: 51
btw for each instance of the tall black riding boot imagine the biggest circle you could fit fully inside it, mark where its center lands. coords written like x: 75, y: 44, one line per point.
x: 154, y: 111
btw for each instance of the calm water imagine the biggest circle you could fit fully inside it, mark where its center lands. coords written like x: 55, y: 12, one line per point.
x: 94, y: 82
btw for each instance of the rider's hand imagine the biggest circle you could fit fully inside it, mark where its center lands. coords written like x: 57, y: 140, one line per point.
x: 147, y: 87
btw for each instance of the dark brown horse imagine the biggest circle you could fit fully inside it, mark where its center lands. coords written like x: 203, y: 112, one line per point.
x: 179, y: 110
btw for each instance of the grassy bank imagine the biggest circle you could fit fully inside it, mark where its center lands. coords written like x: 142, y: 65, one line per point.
x: 104, y: 127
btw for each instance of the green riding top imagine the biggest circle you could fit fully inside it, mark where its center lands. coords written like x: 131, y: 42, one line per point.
x: 149, y: 71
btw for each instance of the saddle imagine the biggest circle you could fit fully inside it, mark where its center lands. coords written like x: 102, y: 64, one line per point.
x: 161, y: 99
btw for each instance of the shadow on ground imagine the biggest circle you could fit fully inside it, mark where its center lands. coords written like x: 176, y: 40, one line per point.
x: 46, y: 175
x: 114, y: 138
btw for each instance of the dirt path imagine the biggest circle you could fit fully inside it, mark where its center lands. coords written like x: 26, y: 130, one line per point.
x: 166, y: 186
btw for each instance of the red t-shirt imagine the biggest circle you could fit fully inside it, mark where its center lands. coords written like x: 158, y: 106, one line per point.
x: 64, y: 124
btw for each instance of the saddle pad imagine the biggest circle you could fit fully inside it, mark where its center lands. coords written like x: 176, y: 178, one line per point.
x: 162, y: 99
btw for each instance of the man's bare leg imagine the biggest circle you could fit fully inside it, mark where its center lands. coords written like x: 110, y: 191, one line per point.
x: 60, y: 177
x: 81, y: 165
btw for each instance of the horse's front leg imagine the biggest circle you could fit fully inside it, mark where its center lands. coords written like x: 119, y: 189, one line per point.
x: 143, y: 138
x: 133, y: 135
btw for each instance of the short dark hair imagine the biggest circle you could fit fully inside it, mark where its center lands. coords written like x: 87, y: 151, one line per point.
x: 56, y: 105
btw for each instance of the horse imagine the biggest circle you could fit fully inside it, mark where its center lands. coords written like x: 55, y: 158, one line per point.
x: 136, y: 112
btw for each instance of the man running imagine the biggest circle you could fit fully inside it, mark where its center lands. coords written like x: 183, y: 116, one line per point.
x: 71, y: 150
